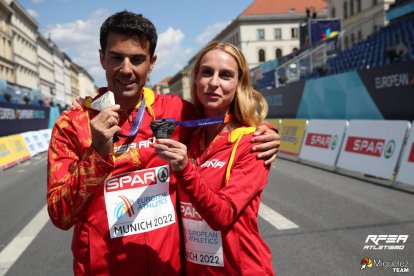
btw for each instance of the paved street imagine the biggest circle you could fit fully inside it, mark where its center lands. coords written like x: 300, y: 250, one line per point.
x: 316, y: 222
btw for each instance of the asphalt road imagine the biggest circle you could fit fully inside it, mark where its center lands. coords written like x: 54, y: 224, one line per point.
x: 320, y: 227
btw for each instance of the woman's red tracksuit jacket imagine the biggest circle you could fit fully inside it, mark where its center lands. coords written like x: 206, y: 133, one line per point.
x: 220, y: 219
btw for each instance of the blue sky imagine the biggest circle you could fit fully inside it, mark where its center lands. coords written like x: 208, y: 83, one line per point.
x: 184, y: 26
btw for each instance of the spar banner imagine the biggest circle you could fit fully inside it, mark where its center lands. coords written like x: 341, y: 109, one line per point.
x: 323, y: 141
x: 373, y: 147
x: 391, y: 87
x: 406, y: 170
x: 16, y: 118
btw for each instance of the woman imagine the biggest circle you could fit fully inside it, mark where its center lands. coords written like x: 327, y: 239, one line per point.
x: 220, y: 180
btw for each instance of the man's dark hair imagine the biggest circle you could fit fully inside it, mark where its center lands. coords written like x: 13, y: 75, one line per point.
x: 130, y: 24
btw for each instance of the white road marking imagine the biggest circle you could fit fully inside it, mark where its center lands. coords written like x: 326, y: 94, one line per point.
x: 18, y: 245
x: 275, y: 219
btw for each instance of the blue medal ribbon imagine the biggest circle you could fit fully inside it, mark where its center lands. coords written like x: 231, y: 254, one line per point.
x: 136, y: 124
x: 164, y: 128
x: 199, y: 122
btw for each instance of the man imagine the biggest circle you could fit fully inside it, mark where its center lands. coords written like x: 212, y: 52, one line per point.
x: 116, y: 192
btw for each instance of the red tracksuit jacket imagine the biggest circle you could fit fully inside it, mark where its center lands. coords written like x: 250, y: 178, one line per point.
x: 123, y: 208
x: 220, y: 219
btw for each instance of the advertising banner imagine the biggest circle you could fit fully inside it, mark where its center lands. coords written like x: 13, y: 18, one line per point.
x: 406, y: 171
x: 291, y: 136
x: 373, y: 147
x: 46, y: 134
x: 19, y: 147
x: 322, y: 30
x: 29, y: 138
x: 391, y: 88
x: 41, y: 144
x: 284, y: 101
x: 323, y: 140
x: 275, y: 122
x: 7, y: 156
x: 16, y: 118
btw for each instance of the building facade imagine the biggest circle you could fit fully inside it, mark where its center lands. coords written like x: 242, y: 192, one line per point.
x: 33, y: 70
x: 162, y: 87
x: 24, y: 32
x: 58, y: 68
x: 74, y: 80
x: 180, y: 84
x: 269, y: 29
x: 7, y: 65
x: 264, y: 31
x: 86, y: 84
x: 67, y: 84
x: 46, y: 69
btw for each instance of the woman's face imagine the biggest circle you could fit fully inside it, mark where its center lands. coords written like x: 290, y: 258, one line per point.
x: 216, y: 82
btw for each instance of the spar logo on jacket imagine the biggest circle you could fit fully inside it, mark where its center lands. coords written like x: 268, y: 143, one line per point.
x: 189, y: 212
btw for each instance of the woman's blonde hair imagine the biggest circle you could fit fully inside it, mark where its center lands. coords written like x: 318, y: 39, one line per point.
x: 248, y: 107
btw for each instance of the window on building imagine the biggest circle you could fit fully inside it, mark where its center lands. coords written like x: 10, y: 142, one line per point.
x: 352, y: 40
x: 375, y: 28
x: 351, y: 8
x: 346, y: 42
x: 278, y: 53
x: 260, y: 34
x: 262, y: 55
x: 295, y: 32
x: 360, y: 38
x: 278, y: 33
x: 345, y: 10
x: 333, y: 12
x: 359, y: 7
x: 374, y: 2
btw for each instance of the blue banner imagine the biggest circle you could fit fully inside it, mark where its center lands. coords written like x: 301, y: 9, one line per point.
x: 16, y: 118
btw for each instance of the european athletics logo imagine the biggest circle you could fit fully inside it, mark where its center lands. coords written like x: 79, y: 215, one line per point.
x: 125, y: 206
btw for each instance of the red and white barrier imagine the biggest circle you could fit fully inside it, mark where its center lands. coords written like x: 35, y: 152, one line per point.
x: 406, y: 170
x: 323, y: 140
x: 373, y: 147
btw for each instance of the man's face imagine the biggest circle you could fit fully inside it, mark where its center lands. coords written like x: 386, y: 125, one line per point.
x: 127, y: 63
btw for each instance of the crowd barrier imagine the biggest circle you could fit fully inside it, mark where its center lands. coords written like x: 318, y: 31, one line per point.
x: 17, y: 148
x: 379, y: 148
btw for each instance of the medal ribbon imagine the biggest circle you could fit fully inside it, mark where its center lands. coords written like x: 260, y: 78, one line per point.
x: 136, y: 124
x: 200, y: 122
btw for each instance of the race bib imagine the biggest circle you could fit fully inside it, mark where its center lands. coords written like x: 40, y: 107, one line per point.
x: 202, y: 244
x: 138, y: 202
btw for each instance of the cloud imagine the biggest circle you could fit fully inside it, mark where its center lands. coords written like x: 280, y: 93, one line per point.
x: 210, y: 32
x: 80, y: 40
x: 33, y: 13
x: 172, y: 55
